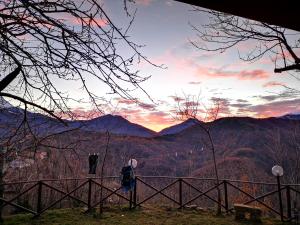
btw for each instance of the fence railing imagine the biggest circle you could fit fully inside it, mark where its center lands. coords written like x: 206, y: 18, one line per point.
x: 36, y: 197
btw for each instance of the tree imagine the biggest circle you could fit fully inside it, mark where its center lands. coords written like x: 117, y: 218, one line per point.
x: 284, y: 150
x: 188, y: 107
x: 102, y: 170
x: 46, y: 42
x: 226, y: 31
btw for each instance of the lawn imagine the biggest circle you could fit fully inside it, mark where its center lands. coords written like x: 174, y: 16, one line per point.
x: 144, y: 216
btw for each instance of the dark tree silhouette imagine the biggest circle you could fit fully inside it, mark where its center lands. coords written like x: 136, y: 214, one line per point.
x: 102, y: 170
x: 225, y: 31
x: 45, y: 42
x: 191, y: 107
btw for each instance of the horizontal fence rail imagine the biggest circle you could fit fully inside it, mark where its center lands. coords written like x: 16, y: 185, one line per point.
x: 36, y: 197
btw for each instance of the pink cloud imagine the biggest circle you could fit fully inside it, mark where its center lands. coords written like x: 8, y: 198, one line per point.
x: 176, y: 98
x: 142, y: 105
x: 220, y: 107
x: 101, y: 22
x: 126, y: 111
x: 277, y: 108
x: 273, y: 83
x: 85, y: 20
x: 256, y: 74
x: 156, y: 120
x: 191, y: 104
x: 191, y: 65
x: 147, y: 106
x: 195, y: 82
x: 125, y: 101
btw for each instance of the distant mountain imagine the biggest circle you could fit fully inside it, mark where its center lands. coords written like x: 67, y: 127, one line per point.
x: 295, y: 116
x: 243, y: 146
x: 178, y: 127
x: 11, y: 117
x: 114, y: 124
x: 4, y: 103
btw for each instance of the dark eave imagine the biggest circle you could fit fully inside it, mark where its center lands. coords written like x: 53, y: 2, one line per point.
x: 282, y: 13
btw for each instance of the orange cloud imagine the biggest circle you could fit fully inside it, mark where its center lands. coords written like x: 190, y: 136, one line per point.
x: 158, y: 120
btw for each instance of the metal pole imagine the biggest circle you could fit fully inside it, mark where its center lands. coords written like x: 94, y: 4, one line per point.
x: 1, y: 179
x: 280, y: 199
x: 89, y: 194
x: 134, y: 193
x: 130, y: 199
x: 180, y: 192
x: 288, y: 202
x: 39, y: 200
x: 226, y: 196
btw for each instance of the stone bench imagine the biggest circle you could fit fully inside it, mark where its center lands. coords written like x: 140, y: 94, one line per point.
x: 246, y: 212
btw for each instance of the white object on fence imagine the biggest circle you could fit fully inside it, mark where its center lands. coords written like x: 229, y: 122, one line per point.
x: 132, y: 162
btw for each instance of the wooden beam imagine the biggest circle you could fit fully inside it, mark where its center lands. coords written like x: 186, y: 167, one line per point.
x: 281, y: 13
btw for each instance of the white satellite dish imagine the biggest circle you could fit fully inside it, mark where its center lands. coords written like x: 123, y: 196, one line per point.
x: 277, y: 171
x: 132, y: 162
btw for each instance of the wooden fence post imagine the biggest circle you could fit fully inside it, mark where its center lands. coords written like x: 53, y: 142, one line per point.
x: 226, y: 196
x: 280, y: 198
x: 288, y: 202
x: 135, y: 193
x: 89, y: 194
x: 130, y: 199
x: 39, y: 199
x: 180, y: 192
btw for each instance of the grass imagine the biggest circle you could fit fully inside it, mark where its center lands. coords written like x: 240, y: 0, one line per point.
x: 144, y: 216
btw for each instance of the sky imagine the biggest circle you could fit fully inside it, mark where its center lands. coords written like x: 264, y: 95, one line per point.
x: 245, y: 89
x: 163, y: 27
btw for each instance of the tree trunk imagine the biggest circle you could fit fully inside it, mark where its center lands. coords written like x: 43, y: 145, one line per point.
x: 219, y: 210
x: 102, y: 170
x: 1, y: 179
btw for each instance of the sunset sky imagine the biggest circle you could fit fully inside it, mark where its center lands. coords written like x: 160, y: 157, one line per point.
x: 163, y: 27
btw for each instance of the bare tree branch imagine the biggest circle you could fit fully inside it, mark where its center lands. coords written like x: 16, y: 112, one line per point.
x: 226, y: 31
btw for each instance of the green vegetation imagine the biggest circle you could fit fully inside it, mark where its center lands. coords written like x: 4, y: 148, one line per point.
x: 144, y: 216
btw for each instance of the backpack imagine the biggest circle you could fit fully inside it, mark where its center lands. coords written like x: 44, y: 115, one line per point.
x: 127, y: 178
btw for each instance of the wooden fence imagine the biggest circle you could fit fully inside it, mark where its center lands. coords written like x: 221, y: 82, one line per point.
x: 36, y: 197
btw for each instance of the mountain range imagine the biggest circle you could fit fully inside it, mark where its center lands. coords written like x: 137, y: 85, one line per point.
x: 243, y: 145
x: 11, y: 117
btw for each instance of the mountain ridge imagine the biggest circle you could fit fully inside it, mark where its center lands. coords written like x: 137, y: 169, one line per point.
x: 244, y: 145
x: 11, y: 117
x: 114, y: 123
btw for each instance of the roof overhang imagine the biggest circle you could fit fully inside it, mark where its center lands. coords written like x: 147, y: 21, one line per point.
x: 282, y: 13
